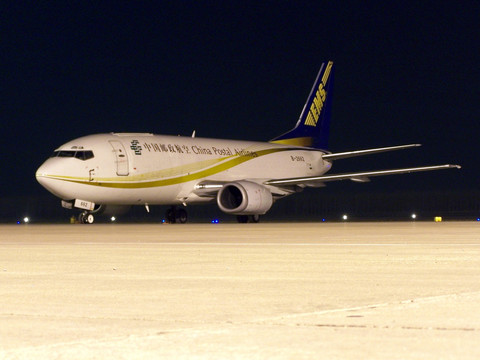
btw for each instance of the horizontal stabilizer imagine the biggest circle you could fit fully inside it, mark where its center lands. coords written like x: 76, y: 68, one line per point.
x: 358, y: 177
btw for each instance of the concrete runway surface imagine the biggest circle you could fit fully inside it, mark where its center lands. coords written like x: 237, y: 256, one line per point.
x: 247, y: 291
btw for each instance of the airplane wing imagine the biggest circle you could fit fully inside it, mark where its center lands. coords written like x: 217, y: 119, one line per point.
x: 358, y: 177
x: 349, y: 154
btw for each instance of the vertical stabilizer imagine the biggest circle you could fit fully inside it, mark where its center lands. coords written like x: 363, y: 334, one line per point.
x: 312, y: 128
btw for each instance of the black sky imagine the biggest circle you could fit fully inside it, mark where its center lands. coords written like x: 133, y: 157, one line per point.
x: 405, y: 72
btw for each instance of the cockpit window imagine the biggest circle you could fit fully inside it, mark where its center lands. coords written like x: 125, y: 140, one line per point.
x: 81, y: 154
x: 84, y: 155
x: 64, y: 153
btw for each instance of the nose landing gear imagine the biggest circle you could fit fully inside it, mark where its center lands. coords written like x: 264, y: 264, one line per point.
x: 86, y: 218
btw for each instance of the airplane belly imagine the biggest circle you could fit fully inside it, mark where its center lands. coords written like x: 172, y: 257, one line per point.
x: 100, y: 194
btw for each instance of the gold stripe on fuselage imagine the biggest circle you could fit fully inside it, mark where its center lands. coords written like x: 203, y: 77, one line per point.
x: 300, y: 141
x: 127, y: 183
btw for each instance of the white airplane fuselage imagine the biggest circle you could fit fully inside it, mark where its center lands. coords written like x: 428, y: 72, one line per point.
x: 102, y: 171
x: 138, y: 169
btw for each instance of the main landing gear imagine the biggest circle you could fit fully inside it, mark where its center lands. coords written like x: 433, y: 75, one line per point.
x: 243, y: 219
x: 86, y: 218
x: 175, y: 215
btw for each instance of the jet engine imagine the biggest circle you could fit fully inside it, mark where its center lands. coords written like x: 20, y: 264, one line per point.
x: 244, y: 198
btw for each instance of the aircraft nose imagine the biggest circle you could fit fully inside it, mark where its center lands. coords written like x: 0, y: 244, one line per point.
x: 43, y: 176
x: 42, y: 172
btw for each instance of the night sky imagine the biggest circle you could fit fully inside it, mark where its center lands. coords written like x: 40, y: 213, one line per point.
x: 406, y: 72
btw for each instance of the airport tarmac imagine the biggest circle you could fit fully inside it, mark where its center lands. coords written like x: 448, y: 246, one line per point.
x: 241, y: 291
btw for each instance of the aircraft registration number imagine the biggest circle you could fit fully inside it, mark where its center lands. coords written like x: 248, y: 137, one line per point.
x: 297, y: 158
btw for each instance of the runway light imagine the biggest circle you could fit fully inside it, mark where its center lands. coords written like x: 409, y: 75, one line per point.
x: 345, y: 217
x: 26, y: 220
x: 414, y: 216
x: 113, y: 218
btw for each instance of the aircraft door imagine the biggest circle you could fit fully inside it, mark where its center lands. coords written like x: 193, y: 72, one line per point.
x: 121, y: 157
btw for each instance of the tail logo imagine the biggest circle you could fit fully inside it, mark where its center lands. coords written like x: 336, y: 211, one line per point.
x: 319, y: 99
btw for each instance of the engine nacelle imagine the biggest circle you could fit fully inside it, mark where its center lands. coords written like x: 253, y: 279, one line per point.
x: 244, y: 198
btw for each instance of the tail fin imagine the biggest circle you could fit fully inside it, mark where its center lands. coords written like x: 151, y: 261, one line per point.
x: 312, y: 128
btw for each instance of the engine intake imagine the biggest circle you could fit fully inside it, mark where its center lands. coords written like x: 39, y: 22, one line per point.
x: 244, y: 198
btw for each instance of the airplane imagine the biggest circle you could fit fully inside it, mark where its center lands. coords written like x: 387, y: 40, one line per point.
x: 111, y: 172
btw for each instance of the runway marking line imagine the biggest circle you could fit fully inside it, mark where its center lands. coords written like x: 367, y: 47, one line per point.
x: 265, y: 244
x: 422, y: 300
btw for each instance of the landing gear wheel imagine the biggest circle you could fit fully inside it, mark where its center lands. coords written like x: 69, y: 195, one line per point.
x: 81, y: 218
x: 181, y: 216
x: 174, y: 215
x: 170, y: 216
x: 243, y: 219
x: 254, y: 218
x: 86, y: 218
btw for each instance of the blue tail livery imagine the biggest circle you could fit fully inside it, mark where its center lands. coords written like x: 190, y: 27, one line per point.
x: 313, y: 126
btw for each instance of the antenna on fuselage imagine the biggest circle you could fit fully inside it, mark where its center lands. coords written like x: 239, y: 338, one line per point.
x: 193, y: 134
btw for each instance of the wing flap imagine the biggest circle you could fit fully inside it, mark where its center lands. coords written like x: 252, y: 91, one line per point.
x: 358, y: 177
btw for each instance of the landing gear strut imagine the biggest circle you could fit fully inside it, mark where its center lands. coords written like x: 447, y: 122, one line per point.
x: 174, y: 215
x: 86, y: 218
x: 243, y: 219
